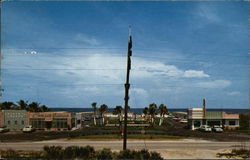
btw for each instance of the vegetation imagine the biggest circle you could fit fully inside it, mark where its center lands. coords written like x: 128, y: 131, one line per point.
x: 244, y: 122
x: 152, y: 112
x: 24, y: 105
x: 145, y: 111
x: 77, y: 152
x: 163, y: 111
x: 118, y: 111
x: 104, y: 154
x: 236, y: 153
x: 103, y: 108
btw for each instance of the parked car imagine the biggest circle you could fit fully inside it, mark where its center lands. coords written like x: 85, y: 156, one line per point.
x: 4, y: 129
x: 183, y: 121
x: 177, y: 119
x: 217, y: 129
x: 28, y: 129
x: 205, y: 128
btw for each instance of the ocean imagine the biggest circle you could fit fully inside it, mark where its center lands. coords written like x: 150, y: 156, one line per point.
x: 139, y: 110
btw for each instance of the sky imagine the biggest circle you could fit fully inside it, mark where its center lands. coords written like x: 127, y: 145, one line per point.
x: 71, y: 54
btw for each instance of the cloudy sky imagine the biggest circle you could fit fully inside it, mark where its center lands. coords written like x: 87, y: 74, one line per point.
x: 70, y: 54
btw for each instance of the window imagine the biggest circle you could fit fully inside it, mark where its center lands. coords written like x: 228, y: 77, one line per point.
x: 9, y: 122
x: 232, y: 123
x: 15, y: 122
x: 22, y: 122
x: 213, y: 123
x: 78, y: 121
x: 197, y: 123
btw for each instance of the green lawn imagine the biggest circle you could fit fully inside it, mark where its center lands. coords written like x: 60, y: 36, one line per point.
x: 132, y: 136
x: 239, y: 131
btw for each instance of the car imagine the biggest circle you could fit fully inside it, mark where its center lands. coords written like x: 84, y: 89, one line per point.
x: 177, y: 119
x: 205, y: 128
x: 217, y: 129
x: 3, y: 129
x: 28, y: 129
x: 183, y: 121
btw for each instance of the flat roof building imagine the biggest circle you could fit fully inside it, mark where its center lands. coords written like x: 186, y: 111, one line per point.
x: 52, y: 121
x: 199, y: 116
x: 15, y: 119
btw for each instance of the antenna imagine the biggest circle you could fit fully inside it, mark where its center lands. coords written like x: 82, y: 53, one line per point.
x: 129, y: 30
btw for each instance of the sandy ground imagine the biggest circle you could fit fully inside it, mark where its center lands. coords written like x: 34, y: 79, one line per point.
x: 169, y: 149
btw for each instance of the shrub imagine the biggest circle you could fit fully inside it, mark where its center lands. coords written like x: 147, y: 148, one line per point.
x: 144, y: 154
x: 138, y: 155
x: 126, y: 154
x: 104, y: 154
x: 155, y: 156
x: 53, y: 152
x: 235, y: 153
x: 87, y: 152
x: 244, y: 153
x: 10, y: 154
x: 70, y: 152
x: 244, y: 121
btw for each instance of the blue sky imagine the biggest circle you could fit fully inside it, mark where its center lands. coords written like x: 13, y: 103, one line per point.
x: 70, y: 54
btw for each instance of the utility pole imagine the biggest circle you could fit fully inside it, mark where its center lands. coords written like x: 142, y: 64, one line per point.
x: 127, y: 85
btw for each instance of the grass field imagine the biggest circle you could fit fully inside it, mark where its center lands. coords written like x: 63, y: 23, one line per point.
x: 239, y: 131
x: 132, y: 136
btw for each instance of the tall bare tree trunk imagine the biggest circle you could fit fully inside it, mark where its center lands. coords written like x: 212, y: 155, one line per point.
x: 94, y: 121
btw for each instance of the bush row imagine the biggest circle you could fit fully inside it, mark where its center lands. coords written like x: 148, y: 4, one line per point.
x: 77, y: 152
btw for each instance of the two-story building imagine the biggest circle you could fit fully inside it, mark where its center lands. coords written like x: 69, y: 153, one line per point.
x: 15, y: 119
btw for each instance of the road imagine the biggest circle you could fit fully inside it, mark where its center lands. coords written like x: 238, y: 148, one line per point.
x: 187, y: 148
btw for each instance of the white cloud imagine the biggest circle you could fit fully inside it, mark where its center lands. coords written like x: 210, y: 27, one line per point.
x: 234, y: 93
x: 86, y: 39
x: 81, y: 75
x: 97, y: 68
x: 149, y: 68
x: 139, y: 91
x: 214, y: 84
x: 93, y: 89
x: 194, y: 73
x: 207, y: 12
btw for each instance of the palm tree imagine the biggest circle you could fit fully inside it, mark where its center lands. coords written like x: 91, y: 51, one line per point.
x: 23, y: 104
x: 145, y: 111
x: 94, y: 108
x: 103, y: 108
x: 44, y: 108
x: 7, y: 105
x: 152, y: 111
x: 163, y: 111
x: 33, y: 107
x: 118, y: 111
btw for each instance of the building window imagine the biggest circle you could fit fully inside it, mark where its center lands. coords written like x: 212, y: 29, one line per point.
x: 8, y: 122
x: 213, y: 123
x: 15, y: 122
x: 197, y: 123
x: 78, y: 121
x: 22, y: 122
x: 232, y: 123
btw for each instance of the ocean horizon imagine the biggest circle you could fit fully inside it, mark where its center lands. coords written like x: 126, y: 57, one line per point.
x: 139, y: 110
